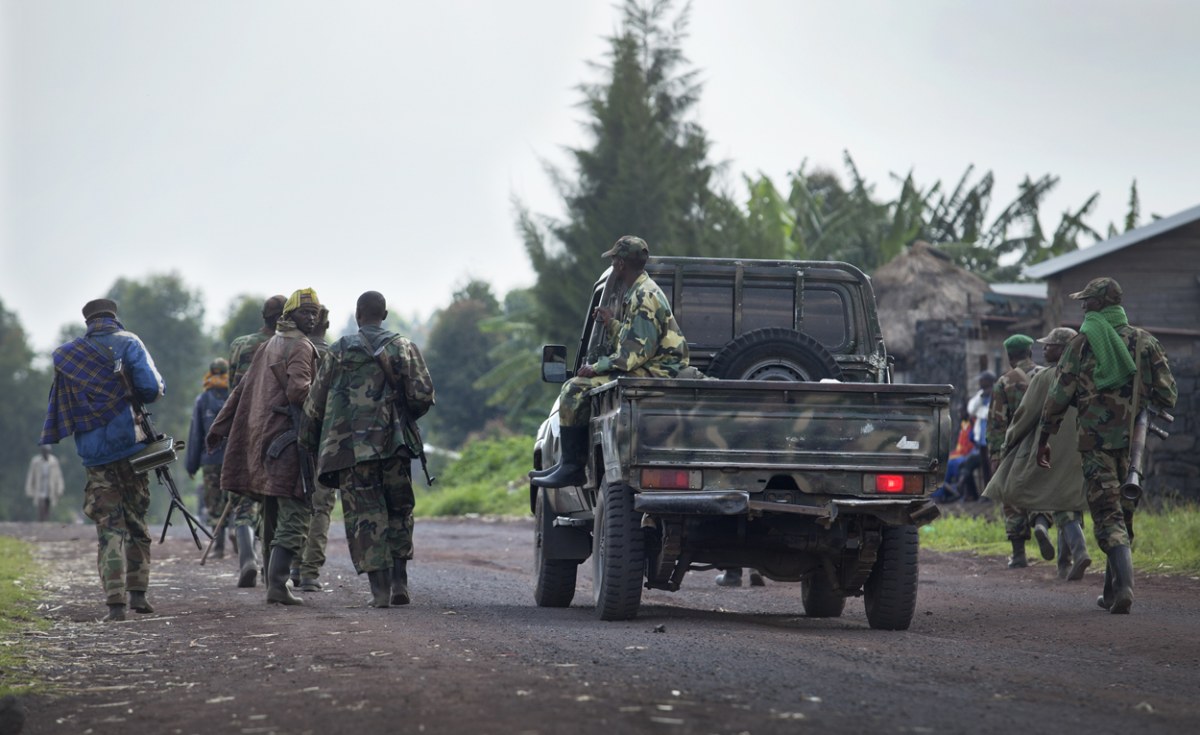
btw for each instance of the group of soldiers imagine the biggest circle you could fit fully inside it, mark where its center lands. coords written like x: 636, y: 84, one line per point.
x: 1060, y: 439
x: 280, y: 427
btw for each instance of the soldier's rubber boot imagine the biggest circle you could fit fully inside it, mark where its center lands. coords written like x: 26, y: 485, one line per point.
x: 294, y: 576
x: 116, y: 613
x: 1105, y: 600
x: 247, y: 565
x: 570, y: 470
x: 309, y: 585
x: 756, y: 579
x: 400, y: 594
x: 1073, y: 534
x: 1064, y: 555
x: 1122, y: 564
x: 1018, y: 560
x: 381, y: 588
x: 1041, y: 534
x: 730, y: 577
x: 277, y: 578
x: 138, y: 602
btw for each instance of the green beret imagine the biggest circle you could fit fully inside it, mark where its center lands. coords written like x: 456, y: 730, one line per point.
x: 1018, y: 343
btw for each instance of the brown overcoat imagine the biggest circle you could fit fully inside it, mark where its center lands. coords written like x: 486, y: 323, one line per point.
x: 251, y: 421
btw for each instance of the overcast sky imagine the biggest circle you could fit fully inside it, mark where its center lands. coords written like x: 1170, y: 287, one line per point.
x: 260, y: 147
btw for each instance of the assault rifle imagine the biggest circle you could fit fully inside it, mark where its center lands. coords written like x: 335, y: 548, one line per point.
x: 1143, y: 425
x: 406, y: 416
x: 158, y: 455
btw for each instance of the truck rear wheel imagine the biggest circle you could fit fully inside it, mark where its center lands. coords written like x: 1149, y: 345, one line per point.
x: 890, y: 593
x: 618, y: 554
x: 774, y: 353
x: 819, y: 598
x: 555, y: 578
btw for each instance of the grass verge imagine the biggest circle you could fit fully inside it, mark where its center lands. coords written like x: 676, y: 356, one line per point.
x: 18, y: 594
x: 489, y: 479
x: 1167, y: 539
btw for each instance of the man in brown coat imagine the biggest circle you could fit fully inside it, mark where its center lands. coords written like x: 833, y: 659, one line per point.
x: 262, y: 457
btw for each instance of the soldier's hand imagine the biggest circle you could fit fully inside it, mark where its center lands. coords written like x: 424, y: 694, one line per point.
x: 212, y: 442
x: 1043, y: 456
x: 587, y: 371
x: 602, y: 314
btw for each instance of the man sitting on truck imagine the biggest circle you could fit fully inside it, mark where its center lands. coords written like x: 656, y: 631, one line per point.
x: 645, y: 342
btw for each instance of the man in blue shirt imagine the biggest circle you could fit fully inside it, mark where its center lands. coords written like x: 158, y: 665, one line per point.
x: 90, y: 399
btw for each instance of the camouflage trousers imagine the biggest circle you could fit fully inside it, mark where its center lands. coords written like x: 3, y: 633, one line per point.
x: 244, y: 511
x: 116, y: 499
x: 574, y: 407
x: 1018, y: 524
x: 313, y: 556
x: 285, y: 524
x: 1112, y: 515
x: 214, y: 499
x: 377, y: 501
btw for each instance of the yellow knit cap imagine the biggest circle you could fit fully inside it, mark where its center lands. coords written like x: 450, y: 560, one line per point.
x: 303, y: 297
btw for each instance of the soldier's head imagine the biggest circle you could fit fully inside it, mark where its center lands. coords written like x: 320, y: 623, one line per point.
x: 629, y: 255
x: 219, y: 366
x: 272, y: 310
x: 45, y: 450
x: 370, y: 309
x: 1099, y: 293
x: 99, y: 307
x: 1018, y: 347
x: 1055, y: 342
x: 986, y: 380
x: 302, y: 308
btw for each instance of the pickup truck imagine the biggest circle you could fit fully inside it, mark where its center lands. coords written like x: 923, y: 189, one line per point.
x: 785, y: 448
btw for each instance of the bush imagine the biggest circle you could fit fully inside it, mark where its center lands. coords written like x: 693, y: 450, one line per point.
x: 489, y: 479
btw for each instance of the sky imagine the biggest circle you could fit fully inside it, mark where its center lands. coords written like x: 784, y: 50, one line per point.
x: 261, y: 147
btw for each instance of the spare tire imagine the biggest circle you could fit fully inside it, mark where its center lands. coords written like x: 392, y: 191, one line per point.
x: 774, y: 353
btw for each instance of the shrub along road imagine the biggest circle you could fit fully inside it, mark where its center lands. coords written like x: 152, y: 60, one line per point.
x: 990, y: 650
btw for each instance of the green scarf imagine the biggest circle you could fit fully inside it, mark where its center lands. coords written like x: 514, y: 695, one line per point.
x: 1114, y: 366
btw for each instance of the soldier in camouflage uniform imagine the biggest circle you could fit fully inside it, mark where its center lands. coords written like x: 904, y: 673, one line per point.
x: 360, y: 418
x: 90, y: 400
x: 1108, y: 372
x: 244, y: 517
x: 312, y: 558
x: 1006, y: 396
x: 646, y: 342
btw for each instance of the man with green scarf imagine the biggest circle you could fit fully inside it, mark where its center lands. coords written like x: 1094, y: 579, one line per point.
x: 1108, y: 372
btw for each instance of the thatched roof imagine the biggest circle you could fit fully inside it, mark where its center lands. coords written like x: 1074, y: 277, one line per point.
x: 922, y: 283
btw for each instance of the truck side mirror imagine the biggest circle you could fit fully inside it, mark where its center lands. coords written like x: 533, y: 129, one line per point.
x: 554, y: 363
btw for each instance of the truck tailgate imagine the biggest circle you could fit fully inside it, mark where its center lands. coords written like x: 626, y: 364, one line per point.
x: 855, y: 427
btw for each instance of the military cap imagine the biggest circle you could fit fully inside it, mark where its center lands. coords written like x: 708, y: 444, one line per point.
x: 1058, y: 336
x: 219, y: 366
x: 1106, y: 289
x: 300, y: 298
x: 628, y: 247
x: 986, y: 375
x: 98, y: 307
x: 1018, y: 343
x: 273, y: 306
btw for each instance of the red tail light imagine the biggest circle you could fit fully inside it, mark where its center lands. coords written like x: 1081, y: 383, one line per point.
x: 670, y: 479
x: 889, y: 483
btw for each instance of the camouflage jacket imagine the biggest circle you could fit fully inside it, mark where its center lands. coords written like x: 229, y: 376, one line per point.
x: 1006, y: 396
x: 645, y: 335
x: 241, y: 353
x: 351, y: 414
x: 1106, y: 417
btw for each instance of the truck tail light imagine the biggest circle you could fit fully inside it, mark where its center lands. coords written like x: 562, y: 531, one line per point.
x: 899, y: 484
x: 672, y: 479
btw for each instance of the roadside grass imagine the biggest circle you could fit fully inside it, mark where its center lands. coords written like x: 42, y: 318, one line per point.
x: 1167, y: 539
x: 489, y: 479
x: 18, y: 594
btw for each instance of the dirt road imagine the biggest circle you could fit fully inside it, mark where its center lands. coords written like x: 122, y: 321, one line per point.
x: 991, y: 650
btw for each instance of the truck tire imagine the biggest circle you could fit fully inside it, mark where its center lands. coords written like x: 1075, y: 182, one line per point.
x: 890, y: 593
x: 819, y: 598
x: 618, y: 554
x: 774, y: 353
x: 555, y: 578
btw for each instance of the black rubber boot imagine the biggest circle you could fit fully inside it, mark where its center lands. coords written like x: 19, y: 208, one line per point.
x: 1041, y: 534
x: 381, y: 588
x: 400, y: 594
x: 277, y: 578
x: 1122, y: 566
x: 730, y: 577
x: 1105, y: 600
x: 138, y: 602
x: 309, y: 585
x: 1064, y: 555
x: 570, y: 470
x: 116, y: 613
x: 1018, y: 560
x: 247, y: 565
x: 1073, y: 534
x: 756, y: 579
x: 294, y: 575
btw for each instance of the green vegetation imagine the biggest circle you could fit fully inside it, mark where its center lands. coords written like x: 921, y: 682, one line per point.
x: 1168, y: 538
x: 18, y: 574
x: 489, y: 479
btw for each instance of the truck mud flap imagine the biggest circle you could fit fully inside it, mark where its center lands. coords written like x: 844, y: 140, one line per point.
x: 723, y: 503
